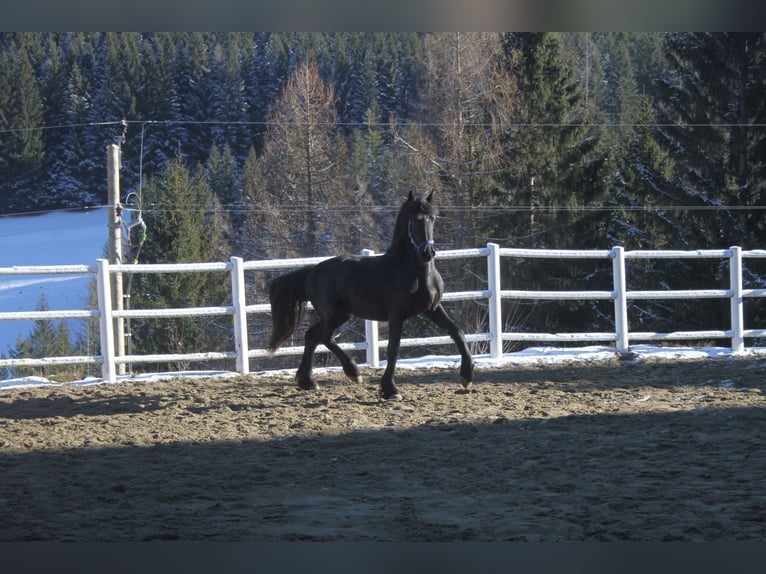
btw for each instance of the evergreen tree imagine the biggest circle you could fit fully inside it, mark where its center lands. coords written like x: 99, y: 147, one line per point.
x: 21, y: 119
x: 227, y: 101
x: 8, y: 201
x: 80, y: 162
x: 711, y: 110
x: 190, y: 73
x: 543, y: 193
x: 643, y: 175
x: 184, y: 224
x: 43, y: 340
x: 545, y: 144
x: 372, y: 177
x: 708, y: 108
x: 261, y: 227
x: 354, y: 78
x: 606, y: 167
x: 223, y: 178
x: 151, y: 146
x: 47, y: 338
x: 370, y: 158
x: 55, y: 72
x: 271, y: 63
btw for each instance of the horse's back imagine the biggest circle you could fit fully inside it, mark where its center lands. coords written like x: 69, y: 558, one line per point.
x: 372, y: 287
x: 352, y: 285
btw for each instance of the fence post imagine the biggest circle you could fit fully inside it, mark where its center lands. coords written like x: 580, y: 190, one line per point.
x: 620, y: 299
x: 495, y: 302
x: 737, y: 300
x: 371, y: 331
x: 240, y: 314
x: 106, y: 326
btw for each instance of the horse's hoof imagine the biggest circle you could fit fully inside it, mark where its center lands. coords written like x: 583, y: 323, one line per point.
x: 395, y: 396
x: 358, y: 380
x: 467, y: 384
x: 308, y: 386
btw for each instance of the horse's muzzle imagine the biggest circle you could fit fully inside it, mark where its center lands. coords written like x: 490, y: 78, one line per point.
x: 428, y: 252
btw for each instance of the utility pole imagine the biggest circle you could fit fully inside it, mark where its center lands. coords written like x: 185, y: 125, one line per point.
x: 115, y: 240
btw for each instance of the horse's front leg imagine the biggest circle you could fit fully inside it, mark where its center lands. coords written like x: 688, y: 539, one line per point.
x: 387, y: 386
x: 439, y: 316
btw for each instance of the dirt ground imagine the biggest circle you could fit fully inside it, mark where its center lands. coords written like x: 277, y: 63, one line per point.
x: 609, y: 451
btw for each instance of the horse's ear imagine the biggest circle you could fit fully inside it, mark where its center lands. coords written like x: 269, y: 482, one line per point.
x: 430, y: 196
x: 410, y: 196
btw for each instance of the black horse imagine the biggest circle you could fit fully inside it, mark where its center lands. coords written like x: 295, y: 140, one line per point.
x: 401, y: 283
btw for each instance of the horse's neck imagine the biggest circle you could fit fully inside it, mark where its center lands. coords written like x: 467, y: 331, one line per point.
x: 403, y: 249
x: 398, y: 248
x: 405, y: 257
x: 400, y: 243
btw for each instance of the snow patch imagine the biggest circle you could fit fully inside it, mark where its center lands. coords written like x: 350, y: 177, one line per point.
x: 533, y: 356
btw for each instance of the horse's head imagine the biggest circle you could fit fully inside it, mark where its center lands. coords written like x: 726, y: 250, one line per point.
x: 420, y: 225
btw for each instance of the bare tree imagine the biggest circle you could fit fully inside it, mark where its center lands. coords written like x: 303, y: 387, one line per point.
x: 303, y: 167
x: 466, y: 105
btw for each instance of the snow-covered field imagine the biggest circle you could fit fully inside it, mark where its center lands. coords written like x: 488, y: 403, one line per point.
x: 59, y: 238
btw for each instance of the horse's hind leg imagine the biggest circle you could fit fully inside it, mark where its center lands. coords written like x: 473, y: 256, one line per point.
x: 350, y: 368
x: 322, y: 333
x: 305, y: 381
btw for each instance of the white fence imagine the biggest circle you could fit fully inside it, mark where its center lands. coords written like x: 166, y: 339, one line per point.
x: 494, y: 294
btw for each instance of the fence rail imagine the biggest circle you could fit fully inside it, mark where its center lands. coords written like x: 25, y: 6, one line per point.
x: 494, y: 294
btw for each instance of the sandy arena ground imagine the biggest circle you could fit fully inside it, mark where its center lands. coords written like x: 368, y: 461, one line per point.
x: 651, y: 451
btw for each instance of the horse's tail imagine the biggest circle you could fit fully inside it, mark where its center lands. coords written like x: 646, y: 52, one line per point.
x: 287, y: 294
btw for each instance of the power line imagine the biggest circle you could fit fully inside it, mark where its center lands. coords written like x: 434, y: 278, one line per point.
x: 47, y: 211
x: 349, y: 208
x: 60, y: 126
x: 408, y: 123
x: 305, y: 208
